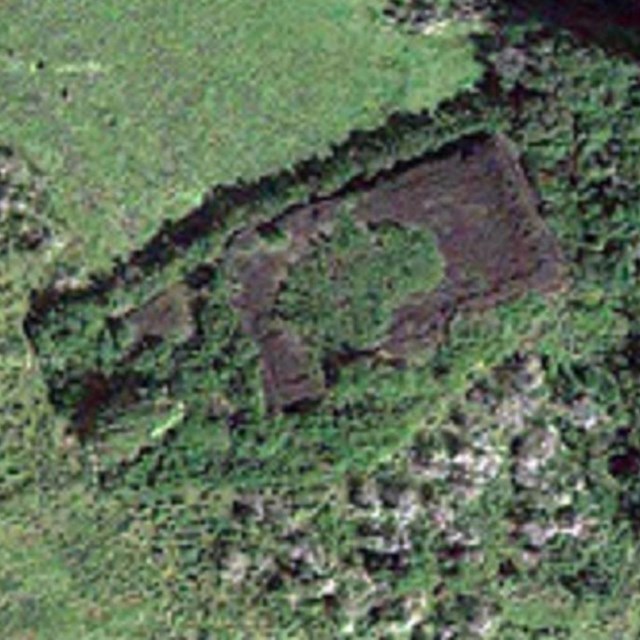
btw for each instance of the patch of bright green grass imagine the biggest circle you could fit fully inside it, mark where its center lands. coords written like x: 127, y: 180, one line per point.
x: 362, y: 276
x: 135, y: 109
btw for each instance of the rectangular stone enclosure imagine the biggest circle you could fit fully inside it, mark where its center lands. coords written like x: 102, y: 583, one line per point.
x: 474, y: 197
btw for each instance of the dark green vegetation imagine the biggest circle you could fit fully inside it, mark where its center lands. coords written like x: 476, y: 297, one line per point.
x: 611, y: 24
x: 512, y: 511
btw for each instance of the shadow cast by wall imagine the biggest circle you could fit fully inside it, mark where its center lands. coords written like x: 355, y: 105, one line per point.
x: 613, y: 25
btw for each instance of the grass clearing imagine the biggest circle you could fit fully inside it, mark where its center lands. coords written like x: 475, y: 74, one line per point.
x: 134, y: 110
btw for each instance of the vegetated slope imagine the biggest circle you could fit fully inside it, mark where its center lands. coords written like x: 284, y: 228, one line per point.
x: 181, y: 248
x: 403, y: 254
x: 134, y: 110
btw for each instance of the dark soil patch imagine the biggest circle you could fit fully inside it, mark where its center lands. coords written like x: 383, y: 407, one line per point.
x: 166, y: 314
x: 288, y: 377
x: 477, y: 201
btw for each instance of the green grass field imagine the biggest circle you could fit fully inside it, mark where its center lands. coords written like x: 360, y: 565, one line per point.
x: 134, y: 110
